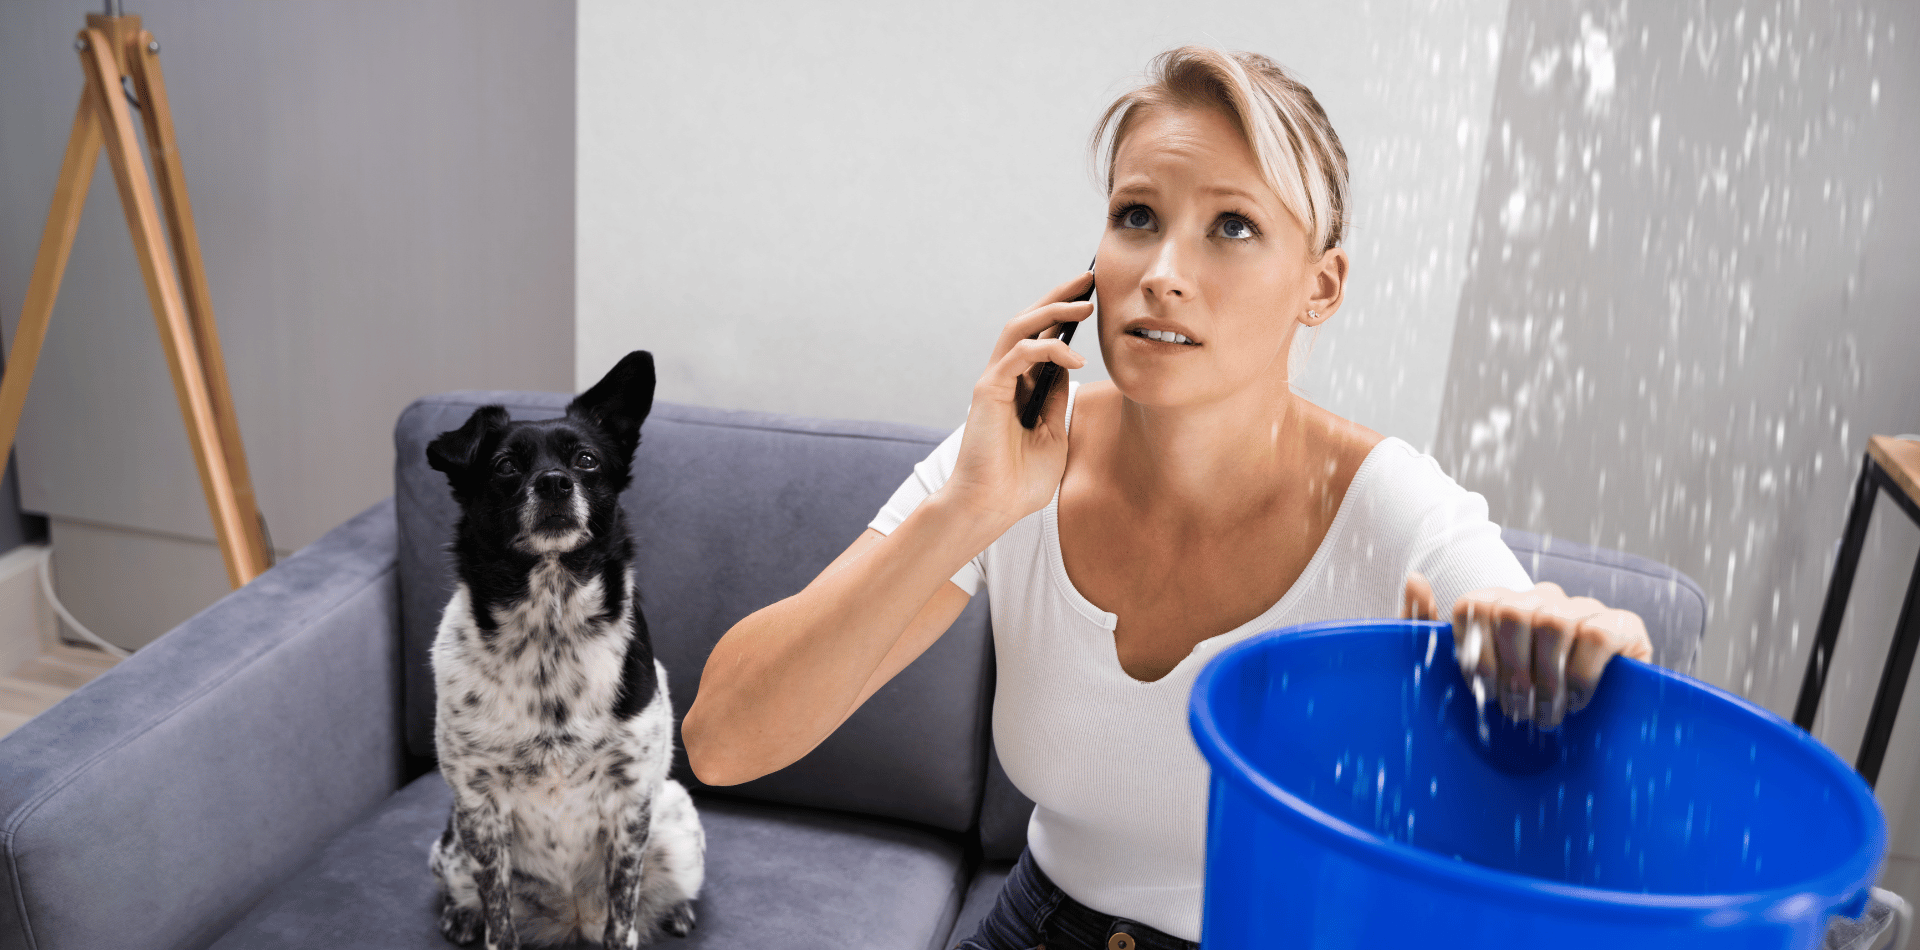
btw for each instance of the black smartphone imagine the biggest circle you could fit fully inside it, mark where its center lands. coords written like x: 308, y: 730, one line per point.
x: 1046, y: 374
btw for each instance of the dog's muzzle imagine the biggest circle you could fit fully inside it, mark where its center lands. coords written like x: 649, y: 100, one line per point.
x: 552, y: 486
x: 554, y: 516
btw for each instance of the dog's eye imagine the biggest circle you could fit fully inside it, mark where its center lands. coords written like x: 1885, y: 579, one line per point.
x: 586, y: 461
x: 504, y: 466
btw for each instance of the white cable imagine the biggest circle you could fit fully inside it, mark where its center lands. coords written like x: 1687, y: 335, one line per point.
x: 46, y: 589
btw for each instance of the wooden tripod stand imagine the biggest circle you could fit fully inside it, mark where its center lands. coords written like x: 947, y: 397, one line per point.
x: 114, y: 50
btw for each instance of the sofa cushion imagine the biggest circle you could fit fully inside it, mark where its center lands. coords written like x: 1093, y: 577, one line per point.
x: 982, y: 893
x: 776, y: 877
x: 1004, y: 814
x: 733, y: 511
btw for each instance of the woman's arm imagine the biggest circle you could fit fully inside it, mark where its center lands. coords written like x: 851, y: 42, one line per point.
x: 784, y: 678
x: 787, y: 676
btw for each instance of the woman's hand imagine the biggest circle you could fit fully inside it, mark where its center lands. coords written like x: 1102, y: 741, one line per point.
x: 1007, y: 472
x: 1539, y: 651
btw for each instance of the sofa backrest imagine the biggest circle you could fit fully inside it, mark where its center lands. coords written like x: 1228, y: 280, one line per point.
x: 734, y: 511
x: 1671, y: 604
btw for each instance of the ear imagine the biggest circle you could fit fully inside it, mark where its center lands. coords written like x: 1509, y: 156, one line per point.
x: 1329, y: 286
x: 453, y: 452
x: 620, y: 401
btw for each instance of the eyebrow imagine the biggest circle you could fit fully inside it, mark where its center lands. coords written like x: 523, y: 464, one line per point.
x: 1139, y: 188
x: 1224, y: 191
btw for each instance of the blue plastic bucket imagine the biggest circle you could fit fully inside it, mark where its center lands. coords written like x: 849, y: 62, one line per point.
x: 1356, y: 804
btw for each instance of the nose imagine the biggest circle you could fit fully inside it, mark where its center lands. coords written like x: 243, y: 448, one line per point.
x: 1166, y: 276
x: 552, y: 485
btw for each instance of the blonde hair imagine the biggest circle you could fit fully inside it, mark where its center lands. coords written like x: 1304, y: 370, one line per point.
x: 1300, y: 156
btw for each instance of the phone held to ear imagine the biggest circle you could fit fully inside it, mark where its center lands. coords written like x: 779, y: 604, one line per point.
x: 1046, y: 374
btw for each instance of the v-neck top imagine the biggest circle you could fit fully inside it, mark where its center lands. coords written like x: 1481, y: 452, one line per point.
x: 1120, y: 788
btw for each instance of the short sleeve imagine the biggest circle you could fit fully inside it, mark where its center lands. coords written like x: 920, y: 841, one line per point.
x: 928, y: 475
x: 1457, y: 547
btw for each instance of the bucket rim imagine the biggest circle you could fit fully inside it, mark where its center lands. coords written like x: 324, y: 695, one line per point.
x: 1836, y: 888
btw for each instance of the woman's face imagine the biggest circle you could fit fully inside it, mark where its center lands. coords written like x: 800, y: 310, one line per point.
x: 1198, y: 245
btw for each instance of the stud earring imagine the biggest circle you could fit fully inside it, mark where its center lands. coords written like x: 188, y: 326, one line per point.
x: 1312, y: 316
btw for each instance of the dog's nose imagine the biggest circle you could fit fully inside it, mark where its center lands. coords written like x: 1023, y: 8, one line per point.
x: 553, y: 485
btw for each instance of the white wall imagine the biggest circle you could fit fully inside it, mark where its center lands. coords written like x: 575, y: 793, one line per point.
x: 831, y: 208
x: 1691, y: 301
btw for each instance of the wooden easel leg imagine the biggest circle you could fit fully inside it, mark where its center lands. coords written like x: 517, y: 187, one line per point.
x: 56, y: 243
x: 142, y: 57
x: 238, y: 530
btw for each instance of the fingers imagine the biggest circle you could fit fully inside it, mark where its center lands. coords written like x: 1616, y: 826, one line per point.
x: 1472, y: 634
x: 1540, y: 651
x: 1037, y: 321
x: 1026, y: 354
x: 1008, y: 383
x: 1418, y: 603
x: 1073, y: 287
x: 1513, y: 620
x: 1554, y: 634
x: 1053, y: 309
x: 1599, y: 638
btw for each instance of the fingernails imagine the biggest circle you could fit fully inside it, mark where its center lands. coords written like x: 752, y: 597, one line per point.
x: 1543, y: 714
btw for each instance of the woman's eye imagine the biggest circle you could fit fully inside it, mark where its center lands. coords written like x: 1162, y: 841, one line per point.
x: 504, y: 466
x: 1236, y: 228
x: 1136, y: 217
x: 586, y: 461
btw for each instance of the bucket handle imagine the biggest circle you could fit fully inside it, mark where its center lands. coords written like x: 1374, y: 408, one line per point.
x: 1859, y: 933
x: 1902, y: 916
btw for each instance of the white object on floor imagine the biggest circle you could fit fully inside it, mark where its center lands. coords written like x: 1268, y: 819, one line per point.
x: 45, y: 569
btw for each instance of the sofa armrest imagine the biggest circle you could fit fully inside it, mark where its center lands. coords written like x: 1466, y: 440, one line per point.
x: 154, y: 805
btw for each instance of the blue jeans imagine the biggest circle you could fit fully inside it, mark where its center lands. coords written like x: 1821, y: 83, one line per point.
x: 1033, y: 913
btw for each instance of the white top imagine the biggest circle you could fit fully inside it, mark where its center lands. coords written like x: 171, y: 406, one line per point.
x: 1119, y: 785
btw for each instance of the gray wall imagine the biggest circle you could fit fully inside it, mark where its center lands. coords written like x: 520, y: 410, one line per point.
x: 832, y: 208
x: 384, y: 195
x: 1691, y: 296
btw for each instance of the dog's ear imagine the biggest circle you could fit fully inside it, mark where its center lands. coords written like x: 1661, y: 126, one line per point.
x: 620, y: 401
x: 453, y: 452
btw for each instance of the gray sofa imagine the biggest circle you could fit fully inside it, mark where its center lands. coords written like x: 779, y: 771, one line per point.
x: 262, y: 776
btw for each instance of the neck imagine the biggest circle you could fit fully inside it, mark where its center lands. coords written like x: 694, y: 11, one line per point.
x: 1221, y: 461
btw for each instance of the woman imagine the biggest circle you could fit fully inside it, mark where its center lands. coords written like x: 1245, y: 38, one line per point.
x: 1145, y: 524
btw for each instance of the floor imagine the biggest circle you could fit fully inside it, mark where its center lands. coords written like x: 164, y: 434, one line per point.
x: 45, y: 679
x: 39, y: 668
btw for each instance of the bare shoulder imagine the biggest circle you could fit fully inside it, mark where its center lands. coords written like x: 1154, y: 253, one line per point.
x: 1342, y: 441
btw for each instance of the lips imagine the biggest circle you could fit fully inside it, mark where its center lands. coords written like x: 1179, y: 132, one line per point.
x: 1160, y: 334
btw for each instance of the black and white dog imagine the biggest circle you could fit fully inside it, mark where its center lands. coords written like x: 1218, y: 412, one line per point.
x: 553, y: 725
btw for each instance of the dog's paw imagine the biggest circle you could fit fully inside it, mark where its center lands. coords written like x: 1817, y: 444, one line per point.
x: 462, y: 925
x: 680, y: 920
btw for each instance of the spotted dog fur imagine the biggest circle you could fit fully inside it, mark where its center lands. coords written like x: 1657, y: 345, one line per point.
x: 553, y: 724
